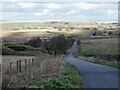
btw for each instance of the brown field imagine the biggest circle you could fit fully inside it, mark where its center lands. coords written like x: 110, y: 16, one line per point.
x: 25, y: 35
x: 34, y: 32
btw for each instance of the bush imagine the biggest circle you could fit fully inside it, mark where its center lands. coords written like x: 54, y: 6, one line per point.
x: 57, y: 45
x: 35, y: 42
x: 110, y: 33
x: 94, y: 34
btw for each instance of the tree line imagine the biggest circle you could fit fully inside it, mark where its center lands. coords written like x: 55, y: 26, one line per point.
x: 55, y: 45
x: 106, y: 33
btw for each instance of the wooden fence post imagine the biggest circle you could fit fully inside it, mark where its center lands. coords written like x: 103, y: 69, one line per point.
x: 19, y: 65
x: 35, y: 67
x: 29, y: 74
x: 29, y: 62
x: 25, y: 64
x: 32, y: 60
x: 10, y: 71
x: 10, y: 66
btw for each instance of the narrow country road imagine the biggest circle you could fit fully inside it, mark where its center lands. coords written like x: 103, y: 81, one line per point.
x: 94, y: 75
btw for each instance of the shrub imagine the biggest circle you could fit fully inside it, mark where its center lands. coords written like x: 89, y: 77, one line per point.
x: 35, y: 42
x: 57, y: 45
x: 94, y: 34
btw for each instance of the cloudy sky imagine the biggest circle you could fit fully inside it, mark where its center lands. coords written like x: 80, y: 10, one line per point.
x: 58, y: 10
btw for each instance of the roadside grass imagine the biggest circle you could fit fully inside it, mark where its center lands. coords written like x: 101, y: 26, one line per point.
x: 69, y: 79
x: 114, y: 64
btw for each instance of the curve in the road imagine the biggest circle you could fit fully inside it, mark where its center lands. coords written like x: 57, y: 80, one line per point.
x: 94, y: 75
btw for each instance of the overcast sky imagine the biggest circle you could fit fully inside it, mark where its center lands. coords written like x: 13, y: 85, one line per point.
x: 57, y: 10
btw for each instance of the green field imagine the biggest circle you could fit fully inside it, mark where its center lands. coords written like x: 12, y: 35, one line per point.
x: 100, y: 51
x: 100, y: 46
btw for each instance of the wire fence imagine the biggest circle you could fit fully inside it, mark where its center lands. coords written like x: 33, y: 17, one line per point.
x: 30, y: 69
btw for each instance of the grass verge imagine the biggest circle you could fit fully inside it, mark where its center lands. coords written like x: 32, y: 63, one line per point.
x: 114, y: 64
x: 69, y: 79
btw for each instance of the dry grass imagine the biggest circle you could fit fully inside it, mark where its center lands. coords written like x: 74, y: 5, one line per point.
x: 36, y: 32
x: 43, y: 67
x: 46, y: 29
x: 51, y: 66
x: 25, y: 35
